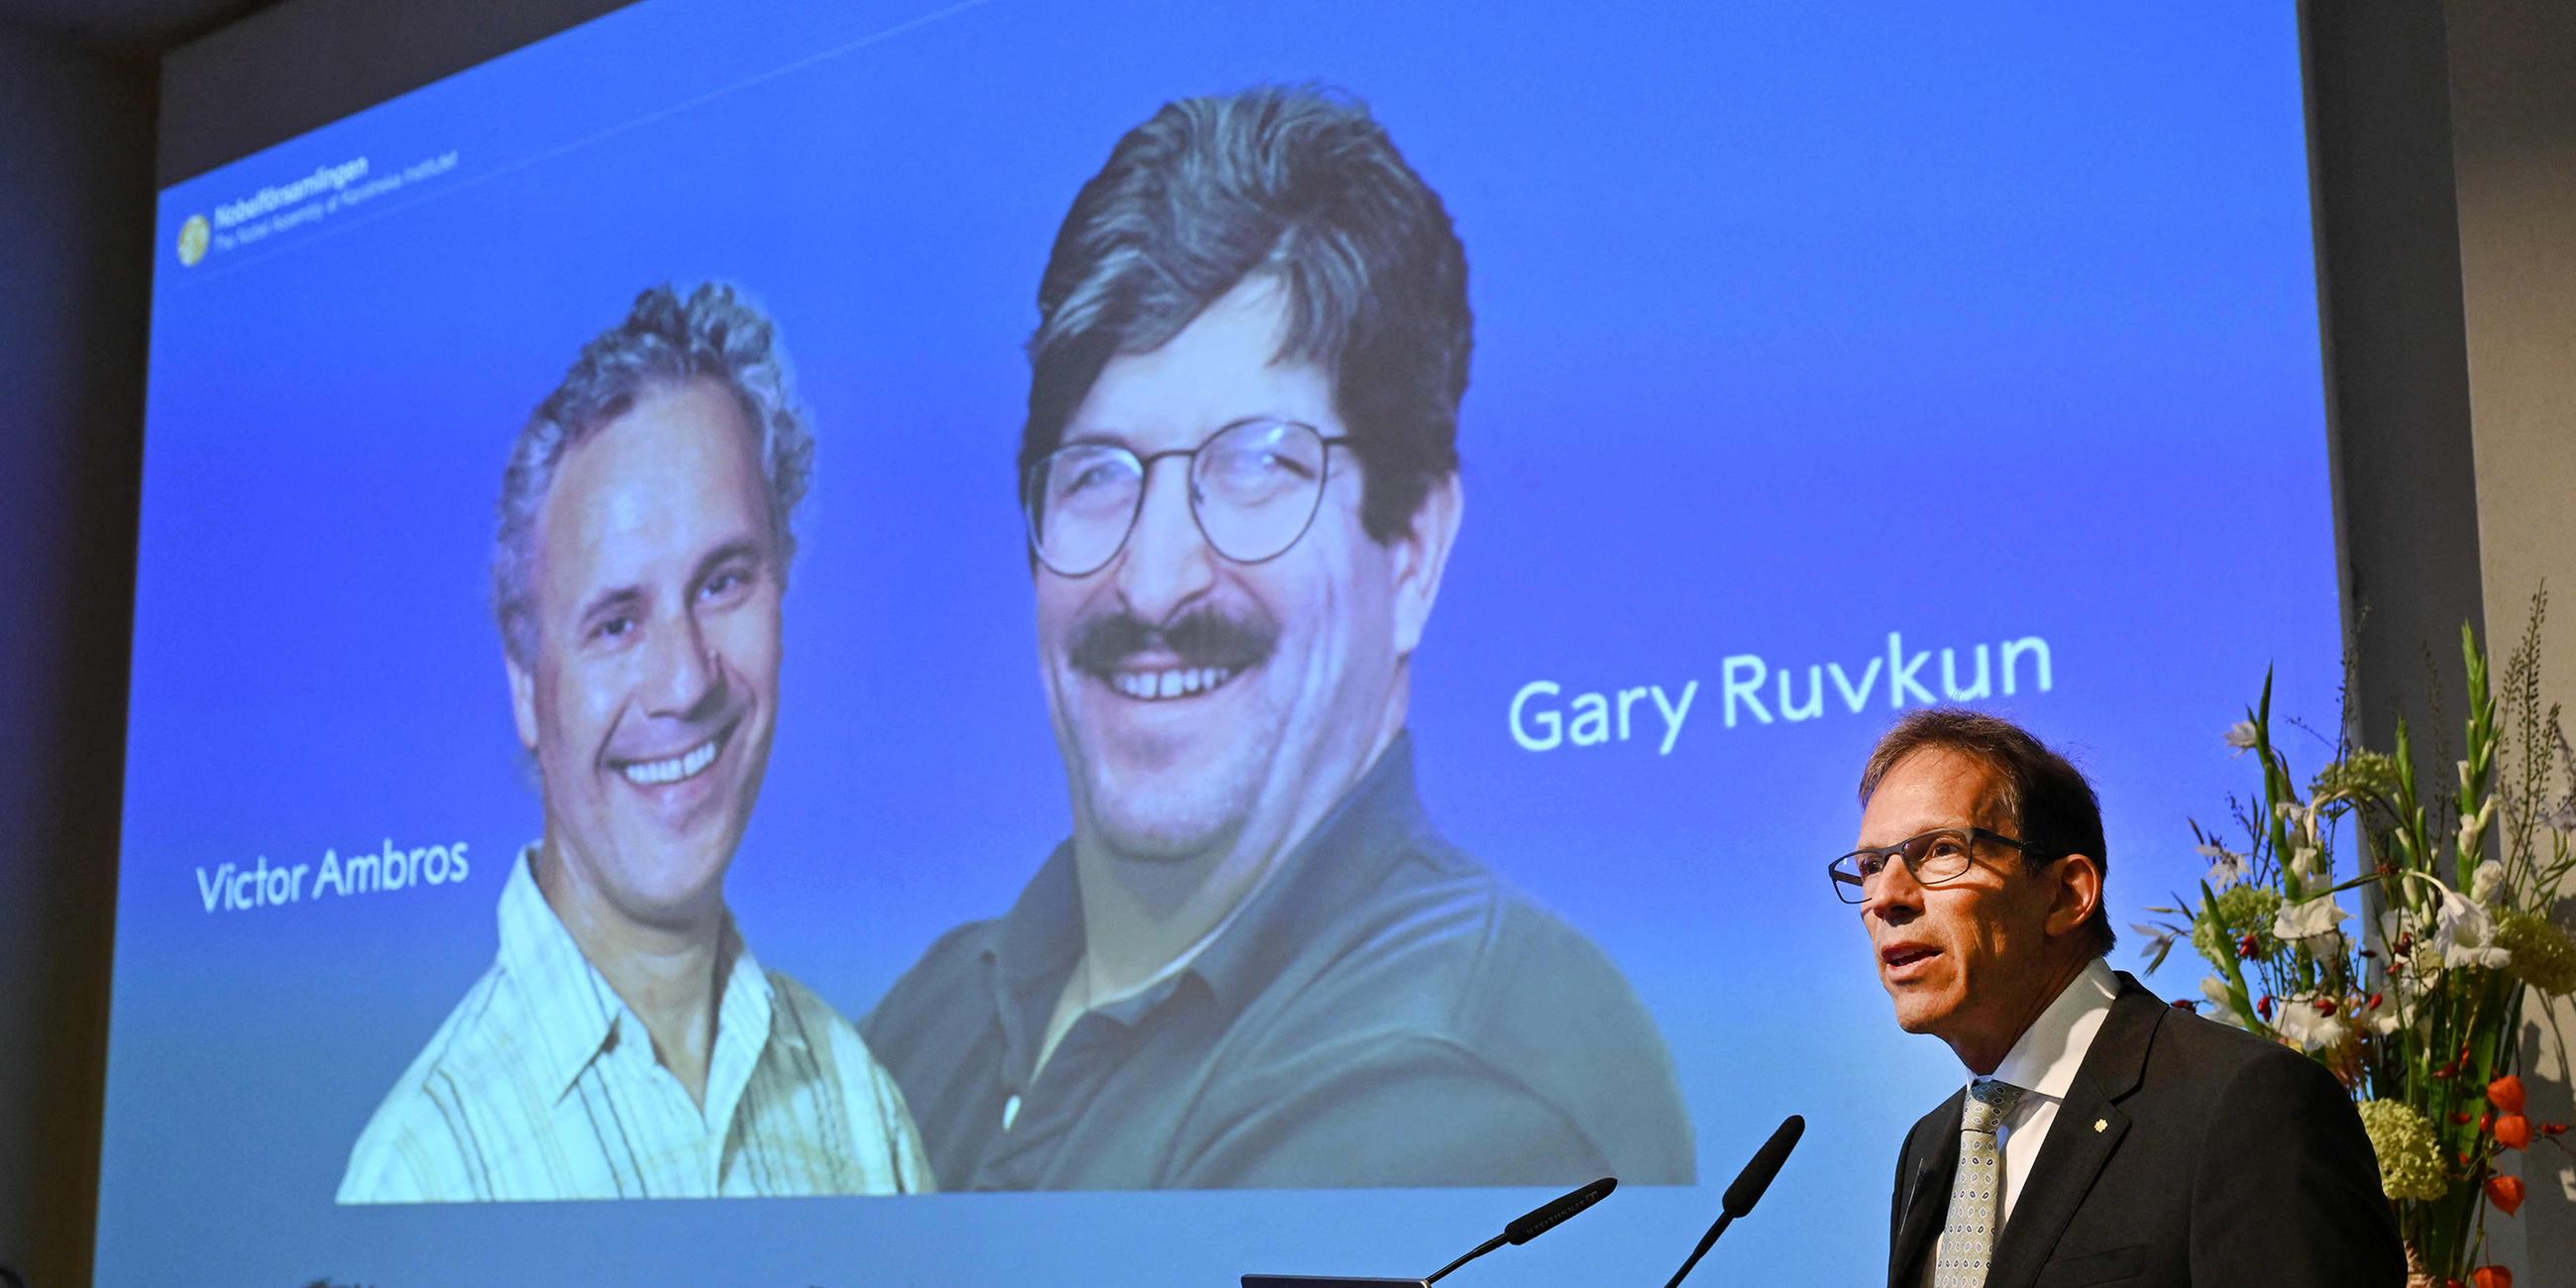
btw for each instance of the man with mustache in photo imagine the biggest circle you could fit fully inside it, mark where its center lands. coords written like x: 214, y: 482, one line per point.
x: 1255, y: 963
x: 625, y: 1043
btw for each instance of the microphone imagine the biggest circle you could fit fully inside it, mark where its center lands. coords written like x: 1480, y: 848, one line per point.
x: 1538, y: 1220
x: 1553, y: 1213
x: 1747, y: 1190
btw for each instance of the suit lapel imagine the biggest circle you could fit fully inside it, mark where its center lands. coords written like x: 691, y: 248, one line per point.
x: 1931, y: 1159
x: 2077, y: 1148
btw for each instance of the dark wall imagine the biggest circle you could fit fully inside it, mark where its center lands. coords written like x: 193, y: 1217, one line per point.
x: 77, y: 148
x: 75, y: 203
x: 315, y: 61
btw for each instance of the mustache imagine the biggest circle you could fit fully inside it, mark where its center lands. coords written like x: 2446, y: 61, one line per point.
x: 1206, y: 637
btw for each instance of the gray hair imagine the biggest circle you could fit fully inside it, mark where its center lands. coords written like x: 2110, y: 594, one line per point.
x: 665, y: 342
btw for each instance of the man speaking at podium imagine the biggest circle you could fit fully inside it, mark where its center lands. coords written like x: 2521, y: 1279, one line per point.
x: 2104, y: 1137
x: 1255, y: 963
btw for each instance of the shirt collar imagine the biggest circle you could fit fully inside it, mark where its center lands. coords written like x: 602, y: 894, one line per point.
x: 574, y: 1011
x: 745, y: 1029
x: 1041, y: 936
x: 2045, y: 1060
x: 1342, y: 858
x: 1345, y: 857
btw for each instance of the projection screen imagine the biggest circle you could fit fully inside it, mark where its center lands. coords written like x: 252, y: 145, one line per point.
x: 1129, y: 642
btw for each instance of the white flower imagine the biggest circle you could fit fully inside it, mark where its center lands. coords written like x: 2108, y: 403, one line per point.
x: 2464, y: 933
x: 2483, y: 882
x: 2221, y: 1007
x: 2308, y: 918
x: 2303, y: 818
x: 2226, y: 868
x: 2473, y: 827
x: 2240, y: 736
x: 2303, y: 1022
x: 2309, y: 862
x: 2397, y: 1007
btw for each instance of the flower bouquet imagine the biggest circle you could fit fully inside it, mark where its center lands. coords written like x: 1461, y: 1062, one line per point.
x: 2402, y: 969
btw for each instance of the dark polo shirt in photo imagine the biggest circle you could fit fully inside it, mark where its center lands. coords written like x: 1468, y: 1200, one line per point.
x: 1384, y: 1011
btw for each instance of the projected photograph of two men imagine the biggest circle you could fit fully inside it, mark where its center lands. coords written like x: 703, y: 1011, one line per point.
x: 1278, y: 614
x: 1254, y: 962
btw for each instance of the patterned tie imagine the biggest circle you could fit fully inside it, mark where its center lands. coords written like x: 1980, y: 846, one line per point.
x: 1976, y: 1196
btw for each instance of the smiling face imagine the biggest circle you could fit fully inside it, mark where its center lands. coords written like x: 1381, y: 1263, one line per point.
x: 650, y: 695
x: 1972, y: 960
x: 1207, y: 706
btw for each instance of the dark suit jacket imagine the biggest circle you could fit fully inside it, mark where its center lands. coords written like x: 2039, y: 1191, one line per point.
x: 2187, y: 1152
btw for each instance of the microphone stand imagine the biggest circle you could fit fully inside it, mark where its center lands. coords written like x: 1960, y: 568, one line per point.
x: 1481, y: 1249
x: 1706, y: 1242
x: 1537, y: 1221
x: 1747, y: 1189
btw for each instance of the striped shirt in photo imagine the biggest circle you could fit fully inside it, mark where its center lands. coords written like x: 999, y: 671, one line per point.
x: 542, y: 1084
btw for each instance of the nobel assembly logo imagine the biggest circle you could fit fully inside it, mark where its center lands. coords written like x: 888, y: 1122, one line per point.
x: 324, y: 180
x: 192, y: 240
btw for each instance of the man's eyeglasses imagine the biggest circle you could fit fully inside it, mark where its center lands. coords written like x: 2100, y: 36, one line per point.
x: 1254, y: 488
x: 1942, y: 854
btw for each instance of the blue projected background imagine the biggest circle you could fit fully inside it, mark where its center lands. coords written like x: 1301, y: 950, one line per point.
x: 1801, y: 339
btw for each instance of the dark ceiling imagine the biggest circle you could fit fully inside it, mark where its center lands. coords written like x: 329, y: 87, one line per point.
x: 137, y: 28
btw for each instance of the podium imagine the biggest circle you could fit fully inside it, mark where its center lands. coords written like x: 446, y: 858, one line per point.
x: 1328, y: 1281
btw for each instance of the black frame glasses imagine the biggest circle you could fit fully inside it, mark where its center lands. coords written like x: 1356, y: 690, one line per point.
x: 1265, y: 478
x: 1924, y: 855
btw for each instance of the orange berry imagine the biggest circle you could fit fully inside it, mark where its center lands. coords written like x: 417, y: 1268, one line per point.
x: 2513, y: 1131
x: 2505, y: 1093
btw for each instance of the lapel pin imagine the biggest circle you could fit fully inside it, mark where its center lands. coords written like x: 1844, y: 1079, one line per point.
x: 2101, y: 1124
